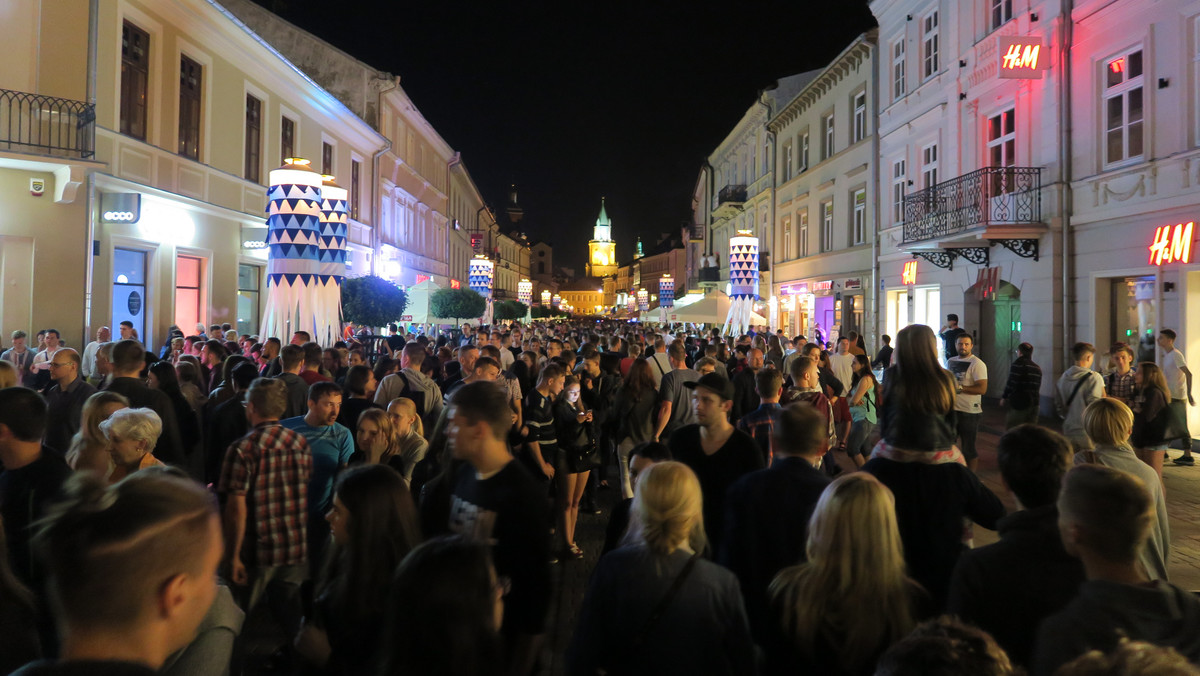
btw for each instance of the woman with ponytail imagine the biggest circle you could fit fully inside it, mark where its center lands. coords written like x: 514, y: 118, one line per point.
x: 654, y: 605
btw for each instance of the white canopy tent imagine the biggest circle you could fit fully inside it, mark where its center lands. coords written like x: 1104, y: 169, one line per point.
x: 712, y: 309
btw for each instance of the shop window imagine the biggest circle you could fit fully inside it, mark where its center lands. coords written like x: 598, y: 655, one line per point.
x: 189, y: 276
x: 191, y: 78
x: 1123, y: 107
x: 247, y: 303
x: 135, y: 80
x: 253, y: 168
x: 129, y: 289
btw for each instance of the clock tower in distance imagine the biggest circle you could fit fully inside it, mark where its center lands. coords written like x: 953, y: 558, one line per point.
x: 602, y: 250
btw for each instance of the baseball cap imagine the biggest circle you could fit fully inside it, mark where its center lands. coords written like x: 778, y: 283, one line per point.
x: 715, y: 382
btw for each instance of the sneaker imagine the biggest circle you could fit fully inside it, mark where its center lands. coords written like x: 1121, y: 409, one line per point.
x: 1185, y: 460
x: 575, y: 551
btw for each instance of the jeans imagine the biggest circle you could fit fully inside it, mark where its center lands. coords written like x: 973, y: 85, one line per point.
x: 968, y: 429
x: 1179, y: 408
x: 623, y: 450
x: 281, y: 586
x: 860, y: 438
x: 1020, y: 416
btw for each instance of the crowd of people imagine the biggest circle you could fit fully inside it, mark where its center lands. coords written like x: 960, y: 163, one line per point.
x: 396, y: 506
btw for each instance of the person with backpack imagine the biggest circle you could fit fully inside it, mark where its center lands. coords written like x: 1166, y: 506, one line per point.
x: 863, y: 410
x: 410, y: 382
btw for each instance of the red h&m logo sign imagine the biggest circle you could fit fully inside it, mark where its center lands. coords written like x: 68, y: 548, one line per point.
x: 1172, y: 244
x: 422, y: 278
x: 910, y: 273
x: 455, y: 284
x: 1021, y: 58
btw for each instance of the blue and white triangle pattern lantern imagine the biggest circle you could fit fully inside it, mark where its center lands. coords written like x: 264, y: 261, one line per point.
x: 480, y: 274
x: 331, y: 252
x: 525, y: 295
x: 666, y: 296
x: 293, y: 249
x: 743, y: 282
x: 643, y: 299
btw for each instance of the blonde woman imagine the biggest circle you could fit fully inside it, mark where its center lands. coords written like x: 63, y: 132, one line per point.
x: 131, y: 433
x: 409, y: 445
x: 89, y: 447
x: 936, y: 495
x: 655, y: 606
x: 1108, y: 424
x: 855, y: 561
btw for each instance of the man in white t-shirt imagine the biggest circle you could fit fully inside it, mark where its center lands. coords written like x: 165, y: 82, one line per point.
x: 1179, y: 382
x: 842, y: 365
x: 971, y: 374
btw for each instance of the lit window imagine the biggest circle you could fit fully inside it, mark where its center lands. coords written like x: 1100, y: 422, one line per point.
x: 1123, y: 107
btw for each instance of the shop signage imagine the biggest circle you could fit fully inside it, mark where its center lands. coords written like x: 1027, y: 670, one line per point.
x: 422, y: 278
x: 477, y: 242
x: 793, y: 288
x: 853, y: 283
x: 455, y: 284
x: 120, y: 207
x: 1021, y: 58
x: 1172, y: 243
x: 910, y: 273
x: 826, y: 285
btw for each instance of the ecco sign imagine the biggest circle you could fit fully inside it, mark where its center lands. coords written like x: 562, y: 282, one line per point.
x: 120, y: 207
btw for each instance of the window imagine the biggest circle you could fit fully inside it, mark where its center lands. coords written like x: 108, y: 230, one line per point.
x: 929, y: 166
x: 827, y: 136
x: 1001, y: 148
x: 287, y: 138
x: 541, y: 267
x: 327, y: 159
x: 355, y: 188
x: 787, y: 238
x: 129, y: 290
x: 1123, y: 107
x: 899, y: 186
x: 898, y: 65
x: 247, y: 307
x: 858, y: 234
x: 189, y: 271
x: 766, y: 163
x: 191, y: 76
x: 253, y: 140
x: 787, y: 161
x: 827, y: 226
x: 803, y: 152
x: 1001, y: 12
x: 860, y: 116
x: 929, y: 45
x: 802, y: 215
x: 135, y: 80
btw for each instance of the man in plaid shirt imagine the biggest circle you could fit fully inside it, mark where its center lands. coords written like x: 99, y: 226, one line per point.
x: 760, y: 423
x: 265, y: 483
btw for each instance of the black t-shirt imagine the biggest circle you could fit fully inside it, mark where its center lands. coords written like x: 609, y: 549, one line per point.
x: 716, y: 472
x: 395, y: 342
x: 25, y: 494
x: 508, y: 512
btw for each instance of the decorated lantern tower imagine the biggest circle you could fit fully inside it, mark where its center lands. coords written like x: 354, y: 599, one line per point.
x: 293, y: 250
x: 743, y: 282
x: 480, y: 276
x: 525, y: 295
x: 331, y: 251
x: 666, y: 297
x: 643, y: 299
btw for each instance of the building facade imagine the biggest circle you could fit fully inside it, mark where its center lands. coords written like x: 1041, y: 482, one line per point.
x: 825, y: 195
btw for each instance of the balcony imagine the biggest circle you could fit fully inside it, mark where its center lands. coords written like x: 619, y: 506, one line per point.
x: 729, y: 201
x: 710, y: 276
x: 1003, y: 201
x: 44, y: 125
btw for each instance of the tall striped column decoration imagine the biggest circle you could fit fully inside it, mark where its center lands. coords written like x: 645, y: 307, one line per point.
x: 480, y: 274
x: 743, y: 282
x: 525, y: 295
x: 666, y: 296
x: 293, y: 258
x: 331, y: 251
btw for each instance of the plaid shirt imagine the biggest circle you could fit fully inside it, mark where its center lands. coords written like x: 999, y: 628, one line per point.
x: 1120, y: 386
x: 271, y: 466
x: 760, y: 425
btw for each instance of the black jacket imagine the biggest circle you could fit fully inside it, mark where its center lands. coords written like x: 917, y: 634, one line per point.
x: 169, y: 448
x: 1024, y: 384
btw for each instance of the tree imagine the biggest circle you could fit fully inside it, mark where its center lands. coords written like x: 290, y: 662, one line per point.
x: 542, y: 312
x: 457, y: 304
x: 508, y: 309
x: 372, y: 301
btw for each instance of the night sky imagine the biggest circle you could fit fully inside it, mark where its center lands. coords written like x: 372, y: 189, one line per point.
x: 574, y: 101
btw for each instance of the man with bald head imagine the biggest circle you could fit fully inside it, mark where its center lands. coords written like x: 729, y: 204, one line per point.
x: 745, y: 392
x: 64, y: 399
x: 103, y: 335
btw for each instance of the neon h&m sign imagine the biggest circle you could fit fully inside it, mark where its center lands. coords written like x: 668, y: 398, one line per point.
x: 910, y: 273
x: 1021, y: 58
x: 1172, y: 243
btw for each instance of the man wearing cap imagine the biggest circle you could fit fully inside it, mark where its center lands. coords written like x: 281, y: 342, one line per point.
x: 716, y: 452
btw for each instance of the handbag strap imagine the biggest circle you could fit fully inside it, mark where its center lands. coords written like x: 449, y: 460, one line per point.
x: 1076, y: 390
x: 661, y: 608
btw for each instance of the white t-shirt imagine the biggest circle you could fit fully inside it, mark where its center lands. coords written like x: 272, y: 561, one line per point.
x: 968, y: 371
x: 1172, y: 366
x: 842, y: 366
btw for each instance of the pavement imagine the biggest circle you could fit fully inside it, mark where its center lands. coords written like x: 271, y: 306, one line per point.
x: 1182, y: 486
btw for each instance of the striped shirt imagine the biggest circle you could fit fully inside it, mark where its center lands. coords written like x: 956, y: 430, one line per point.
x: 271, y: 466
x: 539, y: 417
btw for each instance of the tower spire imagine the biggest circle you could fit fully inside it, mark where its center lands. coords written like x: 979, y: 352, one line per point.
x: 603, y: 230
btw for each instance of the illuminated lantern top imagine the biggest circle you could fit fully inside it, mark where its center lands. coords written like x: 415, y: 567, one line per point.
x: 1172, y: 244
x: 545, y: 296
x: 666, y: 291
x: 643, y: 299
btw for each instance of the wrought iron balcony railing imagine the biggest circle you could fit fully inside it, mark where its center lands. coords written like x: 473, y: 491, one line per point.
x: 47, y: 125
x: 731, y: 193
x: 988, y: 196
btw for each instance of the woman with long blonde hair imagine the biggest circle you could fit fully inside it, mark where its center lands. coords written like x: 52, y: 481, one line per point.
x: 409, y: 446
x: 1151, y: 415
x: 855, y: 562
x: 936, y: 495
x: 655, y: 605
x: 89, y: 446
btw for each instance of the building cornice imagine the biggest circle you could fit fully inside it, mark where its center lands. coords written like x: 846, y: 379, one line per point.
x: 847, y: 63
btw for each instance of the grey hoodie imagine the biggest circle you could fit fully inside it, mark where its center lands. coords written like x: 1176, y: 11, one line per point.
x: 1157, y: 612
x: 1089, y: 392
